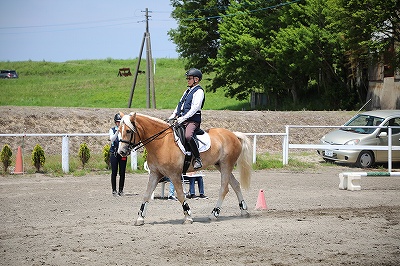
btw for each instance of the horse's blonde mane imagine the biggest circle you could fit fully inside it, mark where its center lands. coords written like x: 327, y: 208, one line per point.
x: 152, y: 118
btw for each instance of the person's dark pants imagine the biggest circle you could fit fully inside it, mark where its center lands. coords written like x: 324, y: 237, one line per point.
x: 200, y: 183
x: 117, y: 162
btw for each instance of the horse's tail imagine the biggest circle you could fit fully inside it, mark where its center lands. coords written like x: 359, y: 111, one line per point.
x: 244, y: 162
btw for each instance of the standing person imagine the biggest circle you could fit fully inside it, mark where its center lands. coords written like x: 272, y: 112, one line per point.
x: 116, y: 160
x: 188, y: 111
x: 192, y: 178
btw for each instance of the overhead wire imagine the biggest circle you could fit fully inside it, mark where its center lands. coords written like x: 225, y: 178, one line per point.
x: 240, y: 12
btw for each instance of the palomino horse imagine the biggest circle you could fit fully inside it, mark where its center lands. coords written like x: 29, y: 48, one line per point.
x: 165, y: 158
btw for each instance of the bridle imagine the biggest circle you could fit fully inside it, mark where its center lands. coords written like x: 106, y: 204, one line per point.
x: 132, y: 145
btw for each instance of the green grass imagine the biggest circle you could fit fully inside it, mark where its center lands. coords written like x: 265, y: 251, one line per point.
x: 53, y: 165
x: 96, y: 164
x: 94, y: 83
x: 274, y: 161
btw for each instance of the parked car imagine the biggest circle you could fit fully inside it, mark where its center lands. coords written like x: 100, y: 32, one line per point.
x: 359, y: 135
x: 8, y: 74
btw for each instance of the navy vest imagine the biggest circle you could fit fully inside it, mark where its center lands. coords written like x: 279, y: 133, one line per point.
x: 115, y: 144
x: 186, y: 102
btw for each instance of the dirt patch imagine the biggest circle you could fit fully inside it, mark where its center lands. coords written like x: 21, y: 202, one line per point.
x: 76, y: 221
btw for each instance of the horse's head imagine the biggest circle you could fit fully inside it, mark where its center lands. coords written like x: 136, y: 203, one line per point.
x: 129, y: 134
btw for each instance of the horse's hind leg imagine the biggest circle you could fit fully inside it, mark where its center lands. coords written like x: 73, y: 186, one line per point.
x: 221, y: 195
x: 236, y: 187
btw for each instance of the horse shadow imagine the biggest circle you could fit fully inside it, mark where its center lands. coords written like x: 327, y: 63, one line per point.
x: 200, y: 220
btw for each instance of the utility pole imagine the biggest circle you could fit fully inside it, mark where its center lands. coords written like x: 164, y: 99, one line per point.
x: 150, y: 89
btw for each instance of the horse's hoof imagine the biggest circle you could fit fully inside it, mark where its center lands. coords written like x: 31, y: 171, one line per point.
x: 245, y: 214
x: 139, y: 222
x: 213, y: 218
x: 188, y: 221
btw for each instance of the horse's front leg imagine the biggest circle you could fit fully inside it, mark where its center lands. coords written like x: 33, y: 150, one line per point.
x: 182, y: 199
x: 151, y: 186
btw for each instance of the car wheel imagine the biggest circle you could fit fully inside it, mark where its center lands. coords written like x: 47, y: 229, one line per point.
x: 365, y: 159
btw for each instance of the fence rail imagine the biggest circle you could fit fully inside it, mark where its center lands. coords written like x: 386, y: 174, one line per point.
x: 286, y: 145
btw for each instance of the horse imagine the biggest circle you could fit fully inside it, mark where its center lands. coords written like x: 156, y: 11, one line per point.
x: 165, y: 158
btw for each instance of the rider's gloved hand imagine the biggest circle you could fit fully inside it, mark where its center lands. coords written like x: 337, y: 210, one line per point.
x: 180, y: 120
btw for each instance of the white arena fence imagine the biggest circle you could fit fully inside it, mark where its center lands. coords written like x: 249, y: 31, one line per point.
x: 286, y: 145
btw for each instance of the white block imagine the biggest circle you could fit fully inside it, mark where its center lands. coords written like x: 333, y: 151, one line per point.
x: 343, y: 181
x: 354, y: 182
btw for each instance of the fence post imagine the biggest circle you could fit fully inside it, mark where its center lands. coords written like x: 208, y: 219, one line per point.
x: 254, y: 148
x: 390, y: 149
x: 65, y: 154
x: 286, y: 146
x: 134, y: 160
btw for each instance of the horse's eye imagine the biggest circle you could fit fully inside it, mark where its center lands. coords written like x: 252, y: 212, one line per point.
x: 129, y: 131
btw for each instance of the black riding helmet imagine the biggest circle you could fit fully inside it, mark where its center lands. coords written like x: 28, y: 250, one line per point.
x: 195, y: 73
x: 117, y: 118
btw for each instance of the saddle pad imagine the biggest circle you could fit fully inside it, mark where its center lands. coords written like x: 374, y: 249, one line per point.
x: 204, y: 142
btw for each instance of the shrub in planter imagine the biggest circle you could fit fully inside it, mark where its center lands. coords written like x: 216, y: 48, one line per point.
x: 106, y: 155
x: 84, y: 154
x: 6, y: 154
x: 38, y: 158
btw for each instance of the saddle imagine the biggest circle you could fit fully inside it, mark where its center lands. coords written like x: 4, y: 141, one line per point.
x: 201, y: 138
x: 180, y: 133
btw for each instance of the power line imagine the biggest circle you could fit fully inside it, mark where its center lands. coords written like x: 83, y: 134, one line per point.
x: 65, y: 24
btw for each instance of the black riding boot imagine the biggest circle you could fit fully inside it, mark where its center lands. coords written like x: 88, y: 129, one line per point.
x: 195, y: 151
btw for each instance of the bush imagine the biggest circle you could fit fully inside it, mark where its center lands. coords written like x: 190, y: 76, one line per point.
x: 84, y: 154
x: 106, y: 155
x: 38, y: 158
x: 6, y: 154
x: 144, y: 154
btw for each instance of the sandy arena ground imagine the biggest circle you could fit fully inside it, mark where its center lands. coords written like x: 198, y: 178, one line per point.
x: 76, y: 221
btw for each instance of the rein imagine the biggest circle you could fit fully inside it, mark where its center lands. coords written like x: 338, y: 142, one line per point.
x: 141, y: 143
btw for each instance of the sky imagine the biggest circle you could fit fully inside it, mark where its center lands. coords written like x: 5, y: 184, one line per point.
x: 62, y: 30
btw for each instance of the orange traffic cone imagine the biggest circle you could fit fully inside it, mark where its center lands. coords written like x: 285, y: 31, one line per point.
x: 261, y: 204
x: 19, y: 169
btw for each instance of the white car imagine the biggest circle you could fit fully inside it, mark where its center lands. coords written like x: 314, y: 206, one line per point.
x: 357, y: 135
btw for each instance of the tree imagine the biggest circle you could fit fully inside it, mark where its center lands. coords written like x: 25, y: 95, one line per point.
x: 106, y: 155
x: 6, y: 154
x: 38, y: 158
x: 308, y: 50
x: 84, y: 154
x: 241, y: 66
x: 309, y: 54
x: 282, y: 50
x: 197, y: 36
x: 370, y: 29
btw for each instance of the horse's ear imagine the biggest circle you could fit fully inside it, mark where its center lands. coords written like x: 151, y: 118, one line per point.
x: 133, y: 119
x: 121, y: 113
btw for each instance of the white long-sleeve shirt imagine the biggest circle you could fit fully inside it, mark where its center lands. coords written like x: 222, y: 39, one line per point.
x: 197, y: 101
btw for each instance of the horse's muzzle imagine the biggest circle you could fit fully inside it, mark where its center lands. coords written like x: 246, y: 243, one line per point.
x: 123, y: 152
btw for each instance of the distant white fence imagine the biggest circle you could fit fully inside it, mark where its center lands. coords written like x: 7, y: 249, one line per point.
x: 286, y: 145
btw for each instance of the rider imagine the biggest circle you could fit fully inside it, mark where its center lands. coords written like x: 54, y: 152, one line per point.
x: 188, y: 111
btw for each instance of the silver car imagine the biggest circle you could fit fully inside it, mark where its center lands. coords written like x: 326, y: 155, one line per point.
x: 359, y: 135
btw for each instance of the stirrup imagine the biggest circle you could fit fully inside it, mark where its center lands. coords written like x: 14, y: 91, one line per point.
x: 197, y: 163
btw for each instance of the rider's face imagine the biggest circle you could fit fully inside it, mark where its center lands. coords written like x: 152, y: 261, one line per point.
x: 191, y: 80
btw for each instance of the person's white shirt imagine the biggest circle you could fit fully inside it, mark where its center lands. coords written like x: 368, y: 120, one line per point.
x: 197, y: 101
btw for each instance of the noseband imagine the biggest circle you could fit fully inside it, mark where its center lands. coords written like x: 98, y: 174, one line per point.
x: 132, y: 126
